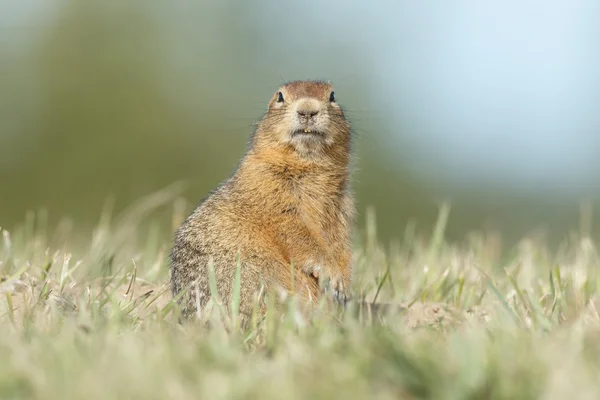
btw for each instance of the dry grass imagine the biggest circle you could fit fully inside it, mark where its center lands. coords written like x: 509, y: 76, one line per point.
x: 92, y: 317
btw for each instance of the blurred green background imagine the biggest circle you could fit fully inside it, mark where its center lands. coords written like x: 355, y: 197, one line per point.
x: 494, y: 107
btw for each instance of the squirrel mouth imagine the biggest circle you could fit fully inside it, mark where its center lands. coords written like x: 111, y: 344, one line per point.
x: 307, y: 132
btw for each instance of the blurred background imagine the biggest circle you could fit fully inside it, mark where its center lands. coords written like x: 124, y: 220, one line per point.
x: 494, y: 107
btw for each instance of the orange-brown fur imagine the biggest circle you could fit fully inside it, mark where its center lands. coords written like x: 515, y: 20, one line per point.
x: 287, y: 203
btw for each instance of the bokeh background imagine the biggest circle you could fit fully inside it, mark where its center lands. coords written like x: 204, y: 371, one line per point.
x: 495, y: 107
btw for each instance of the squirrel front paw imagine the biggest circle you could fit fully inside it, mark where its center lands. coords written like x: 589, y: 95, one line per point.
x: 331, y: 282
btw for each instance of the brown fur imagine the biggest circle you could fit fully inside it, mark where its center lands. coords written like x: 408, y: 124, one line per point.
x: 287, y: 203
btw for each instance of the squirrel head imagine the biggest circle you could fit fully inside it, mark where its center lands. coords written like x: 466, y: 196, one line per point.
x: 305, y: 117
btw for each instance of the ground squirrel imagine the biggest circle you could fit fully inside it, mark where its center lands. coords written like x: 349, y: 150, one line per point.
x: 288, y: 203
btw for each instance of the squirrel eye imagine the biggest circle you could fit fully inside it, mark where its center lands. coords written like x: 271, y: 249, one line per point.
x: 279, y: 97
x: 332, y: 97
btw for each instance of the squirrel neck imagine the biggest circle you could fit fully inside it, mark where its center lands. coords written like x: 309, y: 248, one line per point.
x: 325, y: 177
x: 334, y: 160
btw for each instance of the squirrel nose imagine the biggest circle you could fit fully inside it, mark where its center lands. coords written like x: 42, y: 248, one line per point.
x: 305, y: 114
x: 307, y: 109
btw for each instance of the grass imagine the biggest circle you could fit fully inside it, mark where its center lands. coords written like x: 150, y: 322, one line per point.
x: 91, y: 317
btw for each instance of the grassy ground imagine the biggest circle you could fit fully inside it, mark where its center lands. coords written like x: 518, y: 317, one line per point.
x: 91, y: 317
